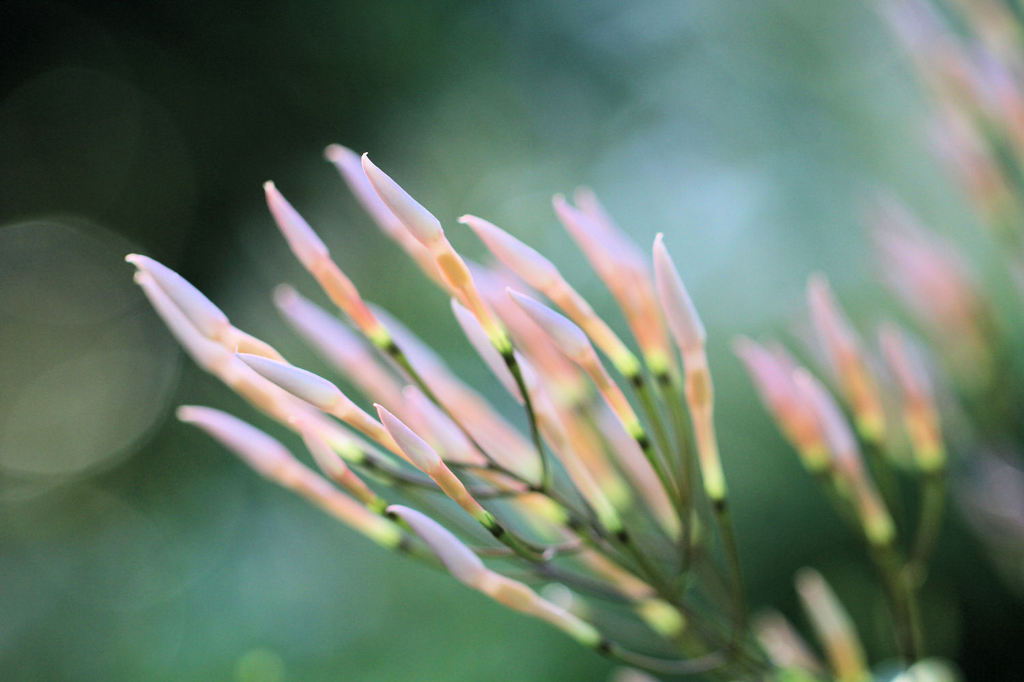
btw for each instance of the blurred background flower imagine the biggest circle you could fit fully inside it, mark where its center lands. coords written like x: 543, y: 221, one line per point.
x: 752, y: 134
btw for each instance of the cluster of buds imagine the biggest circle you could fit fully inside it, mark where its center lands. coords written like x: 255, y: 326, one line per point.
x: 858, y: 448
x: 614, y: 495
x: 970, y: 59
x: 614, y: 492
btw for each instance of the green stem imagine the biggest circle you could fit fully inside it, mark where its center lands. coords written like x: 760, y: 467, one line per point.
x: 929, y: 524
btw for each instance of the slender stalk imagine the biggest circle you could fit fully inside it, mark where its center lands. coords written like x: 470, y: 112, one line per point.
x: 517, y: 373
x: 725, y: 526
x: 902, y: 600
x: 929, y: 524
x: 885, y: 475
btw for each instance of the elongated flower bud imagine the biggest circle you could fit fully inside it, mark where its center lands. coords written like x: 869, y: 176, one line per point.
x: 834, y: 628
x: 337, y: 344
x: 207, y: 318
x: 570, y: 339
x: 426, y: 459
x: 783, y: 643
x: 622, y: 268
x: 304, y: 242
x: 919, y: 413
x: 525, y: 261
x: 874, y: 516
x: 209, y: 355
x: 416, y: 449
x: 313, y: 255
x: 302, y: 383
x: 682, y: 317
x: 351, y: 169
x: 847, y: 359
x: 773, y: 378
x: 272, y: 460
x: 467, y: 568
x: 263, y: 453
x: 320, y: 393
x: 461, y: 562
x: 418, y: 220
x: 455, y: 445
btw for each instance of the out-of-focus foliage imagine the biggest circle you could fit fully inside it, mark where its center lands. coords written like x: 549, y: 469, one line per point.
x: 751, y: 133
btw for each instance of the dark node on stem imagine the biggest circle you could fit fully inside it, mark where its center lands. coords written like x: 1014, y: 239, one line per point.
x: 644, y: 442
x: 509, y: 357
x: 574, y: 523
x: 369, y: 464
x: 636, y: 380
x: 392, y: 349
x: 497, y: 530
x: 622, y: 536
x: 404, y: 545
x: 719, y: 505
x: 394, y: 517
x: 604, y: 647
x: 664, y: 379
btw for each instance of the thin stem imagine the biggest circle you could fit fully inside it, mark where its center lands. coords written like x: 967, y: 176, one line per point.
x: 929, y: 524
x: 725, y: 526
x: 663, y: 666
x: 673, y: 390
x: 517, y: 373
x: 902, y: 600
x: 650, y: 410
x: 885, y: 475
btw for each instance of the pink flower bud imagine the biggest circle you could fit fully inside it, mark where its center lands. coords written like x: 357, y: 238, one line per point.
x: 301, y: 238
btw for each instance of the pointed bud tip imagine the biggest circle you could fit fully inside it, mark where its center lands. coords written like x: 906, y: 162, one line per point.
x: 285, y: 295
x: 187, y: 413
x: 336, y: 153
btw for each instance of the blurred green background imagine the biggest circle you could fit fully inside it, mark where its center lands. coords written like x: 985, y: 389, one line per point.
x: 131, y: 548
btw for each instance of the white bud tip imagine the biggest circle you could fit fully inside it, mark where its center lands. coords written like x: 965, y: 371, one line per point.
x: 461, y: 562
x: 336, y: 153
x: 301, y: 383
x: 259, y: 450
x: 417, y: 219
x: 206, y: 317
x: 569, y: 337
x: 301, y: 238
x: 415, y: 448
x: 676, y: 304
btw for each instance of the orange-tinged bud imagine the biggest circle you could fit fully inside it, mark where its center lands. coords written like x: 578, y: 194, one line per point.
x: 846, y: 359
x: 919, y: 414
x: 426, y: 459
x: 773, y: 376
